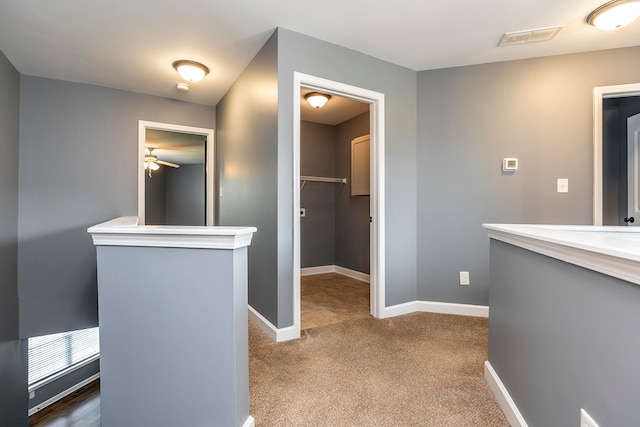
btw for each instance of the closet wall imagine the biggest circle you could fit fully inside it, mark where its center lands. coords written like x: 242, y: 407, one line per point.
x: 335, y: 230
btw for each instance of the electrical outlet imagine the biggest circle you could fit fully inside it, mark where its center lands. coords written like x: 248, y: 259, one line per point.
x: 563, y: 185
x: 32, y: 395
x: 303, y: 212
x: 464, y: 278
x: 586, y: 420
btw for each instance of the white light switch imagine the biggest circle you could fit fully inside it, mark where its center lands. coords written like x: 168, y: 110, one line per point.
x: 563, y: 185
x: 303, y: 212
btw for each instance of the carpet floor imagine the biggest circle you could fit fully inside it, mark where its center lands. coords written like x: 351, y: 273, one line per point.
x: 420, y: 369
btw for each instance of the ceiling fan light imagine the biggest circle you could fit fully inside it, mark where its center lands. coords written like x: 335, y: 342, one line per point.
x: 614, y: 14
x: 154, y: 166
x: 191, y: 71
x: 317, y: 99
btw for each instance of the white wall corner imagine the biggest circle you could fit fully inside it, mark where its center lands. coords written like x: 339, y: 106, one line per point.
x: 501, y: 394
x: 277, y: 335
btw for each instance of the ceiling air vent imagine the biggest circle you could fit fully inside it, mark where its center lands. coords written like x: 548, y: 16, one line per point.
x: 530, y: 36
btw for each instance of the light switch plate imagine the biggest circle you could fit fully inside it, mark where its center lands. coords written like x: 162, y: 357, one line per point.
x: 509, y: 164
x: 563, y: 185
x: 303, y: 212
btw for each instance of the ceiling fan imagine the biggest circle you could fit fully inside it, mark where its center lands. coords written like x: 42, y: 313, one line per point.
x: 152, y: 163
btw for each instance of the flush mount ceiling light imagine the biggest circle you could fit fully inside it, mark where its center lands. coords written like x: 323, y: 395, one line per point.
x: 317, y: 99
x: 191, y: 71
x: 614, y: 14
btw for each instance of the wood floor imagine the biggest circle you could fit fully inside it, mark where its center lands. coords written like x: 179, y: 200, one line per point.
x: 325, y: 299
x: 79, y: 409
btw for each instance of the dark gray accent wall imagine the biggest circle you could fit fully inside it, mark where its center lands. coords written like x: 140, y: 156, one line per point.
x: 13, y: 352
x: 78, y: 167
x: 155, y: 198
x: 469, y: 118
x: 185, y: 195
x: 562, y: 338
x: 352, y: 212
x: 615, y: 112
x: 247, y: 157
x: 297, y: 52
x: 318, y: 227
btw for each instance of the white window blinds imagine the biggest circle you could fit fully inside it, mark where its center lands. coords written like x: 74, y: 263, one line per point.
x: 51, y: 355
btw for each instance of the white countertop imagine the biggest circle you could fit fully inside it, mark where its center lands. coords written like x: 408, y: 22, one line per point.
x: 614, y: 251
x: 125, y: 231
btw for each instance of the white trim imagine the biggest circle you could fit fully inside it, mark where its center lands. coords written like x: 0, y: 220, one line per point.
x: 143, y: 125
x: 321, y: 269
x: 250, y: 422
x: 324, y: 269
x: 124, y: 231
x: 609, y: 250
x: 364, y: 277
x: 377, y: 199
x: 437, y: 307
x: 600, y: 93
x: 62, y: 394
x: 277, y: 335
x: 501, y: 394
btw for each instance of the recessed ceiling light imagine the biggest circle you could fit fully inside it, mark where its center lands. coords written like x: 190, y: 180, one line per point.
x: 191, y: 71
x: 614, y: 14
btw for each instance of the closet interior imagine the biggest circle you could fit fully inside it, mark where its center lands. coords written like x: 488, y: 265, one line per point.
x: 334, y: 212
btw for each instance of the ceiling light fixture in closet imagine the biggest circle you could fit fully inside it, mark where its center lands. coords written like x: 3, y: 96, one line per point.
x: 614, y: 14
x: 317, y: 99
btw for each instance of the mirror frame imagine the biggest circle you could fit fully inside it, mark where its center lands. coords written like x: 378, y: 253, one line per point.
x: 143, y: 125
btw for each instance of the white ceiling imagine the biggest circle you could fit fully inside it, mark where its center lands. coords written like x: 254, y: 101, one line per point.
x: 131, y: 44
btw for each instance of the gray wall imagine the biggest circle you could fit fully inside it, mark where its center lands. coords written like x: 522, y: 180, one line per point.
x: 297, y: 52
x: 174, y: 351
x: 72, y: 137
x: 247, y: 157
x: 562, y: 338
x: 318, y: 228
x: 185, y: 195
x: 13, y: 375
x: 469, y: 118
x: 155, y: 197
x: 352, y: 212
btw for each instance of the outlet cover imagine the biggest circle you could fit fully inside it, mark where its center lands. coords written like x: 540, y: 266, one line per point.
x: 32, y: 394
x: 586, y: 420
x: 464, y: 278
x: 563, y: 185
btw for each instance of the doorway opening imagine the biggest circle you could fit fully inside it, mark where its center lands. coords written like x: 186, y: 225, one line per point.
x: 185, y: 154
x: 374, y: 102
x: 612, y: 105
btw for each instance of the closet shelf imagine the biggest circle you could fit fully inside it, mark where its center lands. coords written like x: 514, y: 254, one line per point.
x: 305, y: 178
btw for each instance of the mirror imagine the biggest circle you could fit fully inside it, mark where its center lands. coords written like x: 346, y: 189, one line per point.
x: 175, y: 175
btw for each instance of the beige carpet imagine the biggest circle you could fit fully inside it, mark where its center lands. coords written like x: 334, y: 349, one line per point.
x: 420, y: 369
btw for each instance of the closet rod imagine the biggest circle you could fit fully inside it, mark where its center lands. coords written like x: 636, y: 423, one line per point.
x: 323, y: 179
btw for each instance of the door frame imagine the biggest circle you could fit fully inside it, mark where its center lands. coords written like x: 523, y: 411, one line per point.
x: 377, y: 199
x: 600, y: 93
x: 143, y: 125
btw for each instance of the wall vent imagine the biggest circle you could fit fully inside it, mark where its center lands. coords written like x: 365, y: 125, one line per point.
x: 530, y: 36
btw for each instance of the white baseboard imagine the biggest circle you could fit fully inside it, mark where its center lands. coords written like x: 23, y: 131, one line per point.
x: 323, y: 269
x: 250, y: 422
x: 278, y: 335
x: 501, y: 394
x: 437, y: 307
x: 60, y: 395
